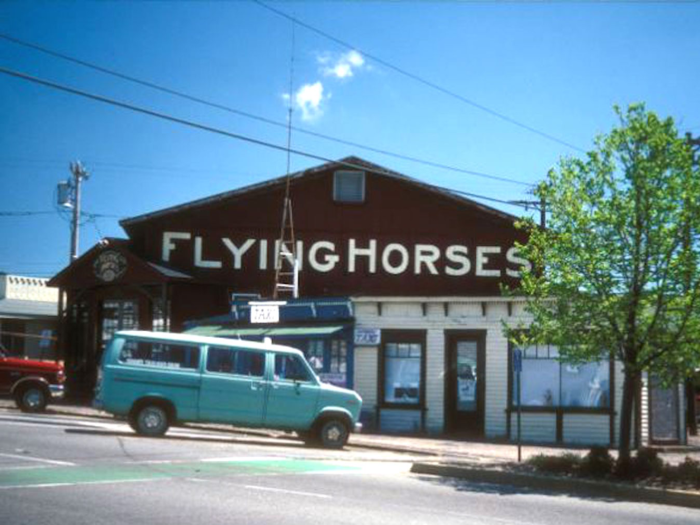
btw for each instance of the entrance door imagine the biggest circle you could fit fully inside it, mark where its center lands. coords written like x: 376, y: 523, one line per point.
x: 464, y: 399
x: 663, y: 404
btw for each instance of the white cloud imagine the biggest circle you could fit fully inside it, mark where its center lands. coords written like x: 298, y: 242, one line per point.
x: 309, y: 99
x: 344, y: 66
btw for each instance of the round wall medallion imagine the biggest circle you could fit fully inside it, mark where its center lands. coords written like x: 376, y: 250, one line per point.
x: 110, y: 266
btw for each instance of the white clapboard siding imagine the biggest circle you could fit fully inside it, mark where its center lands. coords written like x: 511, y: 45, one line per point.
x: 586, y: 429
x: 435, y: 317
x: 365, y: 310
x: 536, y: 428
x: 410, y: 310
x: 619, y: 372
x: 435, y: 381
x: 400, y: 421
x: 366, y: 375
x: 465, y: 310
x: 646, y: 430
x: 682, y: 406
x: 496, y: 402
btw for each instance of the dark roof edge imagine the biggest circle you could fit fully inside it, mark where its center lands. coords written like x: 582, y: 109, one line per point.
x: 350, y: 162
x: 224, y: 195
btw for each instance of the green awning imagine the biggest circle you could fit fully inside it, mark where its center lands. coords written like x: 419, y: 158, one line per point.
x: 268, y: 331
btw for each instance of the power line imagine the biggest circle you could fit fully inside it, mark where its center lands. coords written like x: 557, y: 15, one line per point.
x: 203, y: 127
x: 418, y: 78
x: 259, y: 118
x: 24, y: 213
x: 89, y: 216
x: 12, y: 163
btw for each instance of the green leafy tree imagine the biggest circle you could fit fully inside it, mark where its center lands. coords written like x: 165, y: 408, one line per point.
x: 615, y: 272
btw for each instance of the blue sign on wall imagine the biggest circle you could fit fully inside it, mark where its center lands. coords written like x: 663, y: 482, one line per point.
x: 517, y: 360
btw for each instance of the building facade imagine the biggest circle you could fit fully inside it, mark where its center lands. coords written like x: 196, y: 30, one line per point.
x: 401, y: 300
x: 28, y: 317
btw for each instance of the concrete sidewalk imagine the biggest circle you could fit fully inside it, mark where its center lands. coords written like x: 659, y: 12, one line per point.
x: 443, y: 449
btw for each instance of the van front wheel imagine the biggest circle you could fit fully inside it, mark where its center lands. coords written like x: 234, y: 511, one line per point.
x: 334, y: 433
x: 152, y: 421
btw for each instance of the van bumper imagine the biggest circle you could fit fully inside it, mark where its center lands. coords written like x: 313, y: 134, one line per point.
x: 357, y: 429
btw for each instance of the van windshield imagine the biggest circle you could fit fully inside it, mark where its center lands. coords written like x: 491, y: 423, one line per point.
x: 291, y: 368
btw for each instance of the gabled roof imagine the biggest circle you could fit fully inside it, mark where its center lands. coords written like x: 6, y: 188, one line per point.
x: 350, y: 162
x: 146, y: 270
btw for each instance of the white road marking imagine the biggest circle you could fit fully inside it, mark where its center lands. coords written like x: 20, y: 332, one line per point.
x: 39, y: 460
x: 293, y: 492
x: 75, y: 484
x: 241, y: 459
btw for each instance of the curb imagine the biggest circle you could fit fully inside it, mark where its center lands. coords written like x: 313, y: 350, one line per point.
x: 601, y: 489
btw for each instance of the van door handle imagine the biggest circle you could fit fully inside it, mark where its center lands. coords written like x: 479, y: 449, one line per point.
x: 255, y: 386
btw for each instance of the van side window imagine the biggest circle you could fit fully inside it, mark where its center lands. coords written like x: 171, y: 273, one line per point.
x: 148, y: 353
x: 290, y: 368
x: 239, y: 362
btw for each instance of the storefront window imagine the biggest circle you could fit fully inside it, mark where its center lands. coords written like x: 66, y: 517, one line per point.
x: 546, y: 382
x: 118, y: 315
x: 160, y: 319
x: 402, y: 373
x: 315, y: 355
x: 339, y: 356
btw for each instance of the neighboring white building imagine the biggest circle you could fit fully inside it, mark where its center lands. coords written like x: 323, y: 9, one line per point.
x: 28, y: 316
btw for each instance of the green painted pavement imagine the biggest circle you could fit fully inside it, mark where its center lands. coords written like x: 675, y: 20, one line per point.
x: 34, y: 477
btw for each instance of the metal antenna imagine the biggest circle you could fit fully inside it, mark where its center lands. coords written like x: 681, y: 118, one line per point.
x: 286, y: 264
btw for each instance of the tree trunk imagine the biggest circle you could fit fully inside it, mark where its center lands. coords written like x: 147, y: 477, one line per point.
x: 629, y: 391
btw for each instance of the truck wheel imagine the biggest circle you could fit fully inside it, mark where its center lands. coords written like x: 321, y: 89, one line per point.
x: 152, y: 421
x: 333, y: 433
x: 32, y: 398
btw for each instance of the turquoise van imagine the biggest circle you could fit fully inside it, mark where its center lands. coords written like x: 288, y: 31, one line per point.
x: 156, y: 379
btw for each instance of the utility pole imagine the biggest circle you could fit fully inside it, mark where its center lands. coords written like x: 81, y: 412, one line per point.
x: 69, y: 197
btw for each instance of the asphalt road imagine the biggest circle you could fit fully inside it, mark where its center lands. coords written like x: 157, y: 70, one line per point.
x: 61, y: 470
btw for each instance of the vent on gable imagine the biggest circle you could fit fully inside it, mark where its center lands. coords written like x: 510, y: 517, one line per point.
x: 349, y: 186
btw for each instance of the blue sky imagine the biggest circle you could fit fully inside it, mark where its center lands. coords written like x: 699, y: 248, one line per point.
x: 555, y: 67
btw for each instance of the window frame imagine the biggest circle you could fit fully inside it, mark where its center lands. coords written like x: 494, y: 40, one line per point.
x: 197, y: 362
x: 513, y: 407
x: 363, y: 190
x: 397, y: 337
x: 311, y: 378
x: 233, y: 373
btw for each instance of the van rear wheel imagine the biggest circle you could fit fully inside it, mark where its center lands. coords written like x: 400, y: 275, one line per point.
x: 334, y: 433
x: 151, y: 420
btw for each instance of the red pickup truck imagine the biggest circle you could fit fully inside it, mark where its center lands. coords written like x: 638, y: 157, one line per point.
x: 32, y: 383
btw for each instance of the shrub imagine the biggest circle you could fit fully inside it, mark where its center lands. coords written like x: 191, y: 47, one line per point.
x: 565, y: 464
x: 598, y: 462
x: 645, y: 464
x: 686, y: 472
